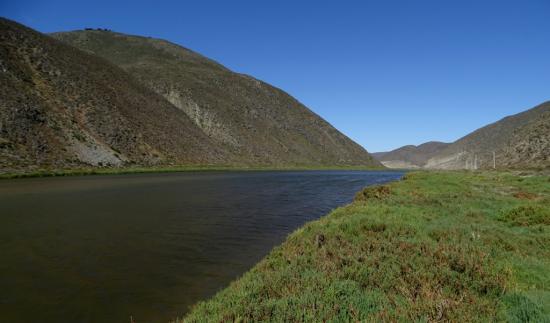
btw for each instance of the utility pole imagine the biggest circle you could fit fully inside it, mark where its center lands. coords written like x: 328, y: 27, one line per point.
x: 494, y: 161
x: 475, y: 162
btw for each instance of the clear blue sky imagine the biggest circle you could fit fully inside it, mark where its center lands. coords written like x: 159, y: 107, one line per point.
x: 386, y: 73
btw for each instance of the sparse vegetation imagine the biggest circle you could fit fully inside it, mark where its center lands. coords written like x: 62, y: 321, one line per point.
x: 517, y: 141
x: 126, y: 100
x: 451, y: 246
x: 254, y: 122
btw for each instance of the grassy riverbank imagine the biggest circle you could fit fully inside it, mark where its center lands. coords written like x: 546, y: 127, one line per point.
x: 436, y: 246
x: 167, y: 169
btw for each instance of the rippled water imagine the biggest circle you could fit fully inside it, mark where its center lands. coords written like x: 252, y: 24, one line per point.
x: 104, y: 248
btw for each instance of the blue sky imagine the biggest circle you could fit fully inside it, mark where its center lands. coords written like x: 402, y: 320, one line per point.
x: 386, y: 73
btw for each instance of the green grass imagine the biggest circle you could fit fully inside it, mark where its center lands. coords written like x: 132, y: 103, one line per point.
x: 168, y: 169
x: 446, y: 246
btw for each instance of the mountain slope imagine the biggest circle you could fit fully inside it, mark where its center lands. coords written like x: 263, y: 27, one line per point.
x: 410, y: 156
x: 520, y: 140
x: 530, y: 144
x: 61, y: 107
x: 257, y: 122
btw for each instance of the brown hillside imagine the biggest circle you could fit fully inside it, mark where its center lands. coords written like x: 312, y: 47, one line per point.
x: 255, y: 121
x: 414, y: 156
x: 61, y: 107
x: 520, y: 140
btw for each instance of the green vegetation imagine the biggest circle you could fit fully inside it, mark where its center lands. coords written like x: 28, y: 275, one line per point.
x: 442, y: 246
x: 167, y: 169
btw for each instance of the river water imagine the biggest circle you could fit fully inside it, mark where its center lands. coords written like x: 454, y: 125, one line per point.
x: 104, y: 248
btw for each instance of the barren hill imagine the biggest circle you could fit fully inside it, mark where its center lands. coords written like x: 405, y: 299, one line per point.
x: 256, y: 122
x: 410, y: 156
x: 520, y: 140
x: 147, y: 103
x: 61, y: 108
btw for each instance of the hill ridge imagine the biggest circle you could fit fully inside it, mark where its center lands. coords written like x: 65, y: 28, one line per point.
x: 255, y: 119
x: 67, y: 107
x: 521, y: 140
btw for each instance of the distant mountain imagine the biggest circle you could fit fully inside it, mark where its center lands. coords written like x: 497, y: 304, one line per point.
x: 410, y: 156
x: 61, y: 107
x: 378, y: 155
x: 254, y: 121
x: 520, y: 140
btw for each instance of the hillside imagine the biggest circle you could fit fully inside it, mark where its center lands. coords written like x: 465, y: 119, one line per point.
x: 63, y: 108
x: 517, y: 141
x: 410, y: 156
x: 256, y: 122
x: 530, y: 144
x: 520, y: 140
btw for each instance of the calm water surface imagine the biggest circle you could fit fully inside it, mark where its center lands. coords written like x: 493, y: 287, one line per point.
x: 102, y: 248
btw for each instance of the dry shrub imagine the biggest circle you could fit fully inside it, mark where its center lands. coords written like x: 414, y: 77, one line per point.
x: 525, y: 195
x: 377, y: 192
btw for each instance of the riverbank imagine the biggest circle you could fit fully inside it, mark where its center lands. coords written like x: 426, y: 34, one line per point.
x: 435, y: 246
x: 166, y: 169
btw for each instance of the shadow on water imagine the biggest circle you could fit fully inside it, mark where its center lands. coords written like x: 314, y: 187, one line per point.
x: 99, y: 249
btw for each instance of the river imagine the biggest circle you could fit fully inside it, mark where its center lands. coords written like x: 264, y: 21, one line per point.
x: 104, y: 248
